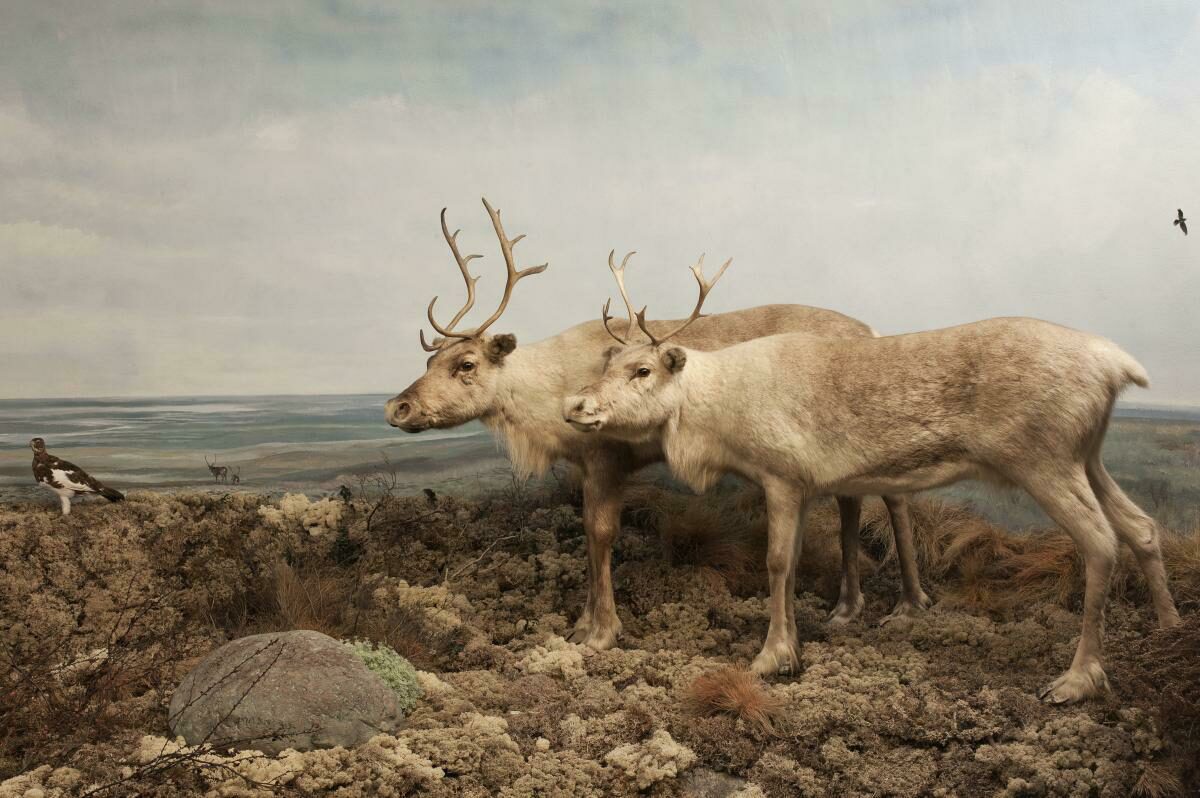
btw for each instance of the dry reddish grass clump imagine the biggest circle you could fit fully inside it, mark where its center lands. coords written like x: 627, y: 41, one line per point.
x: 982, y: 566
x: 726, y: 535
x: 312, y: 599
x: 736, y: 692
x: 1163, y: 668
x: 1158, y: 780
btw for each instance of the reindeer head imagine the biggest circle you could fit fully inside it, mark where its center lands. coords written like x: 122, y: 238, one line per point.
x: 461, y: 375
x: 640, y: 389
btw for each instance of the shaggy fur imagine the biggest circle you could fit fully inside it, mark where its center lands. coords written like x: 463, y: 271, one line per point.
x: 1015, y: 401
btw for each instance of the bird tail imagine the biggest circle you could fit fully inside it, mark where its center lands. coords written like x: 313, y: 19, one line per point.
x: 112, y: 495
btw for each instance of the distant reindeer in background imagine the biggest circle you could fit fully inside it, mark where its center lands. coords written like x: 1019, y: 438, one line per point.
x: 237, y: 475
x: 220, y: 473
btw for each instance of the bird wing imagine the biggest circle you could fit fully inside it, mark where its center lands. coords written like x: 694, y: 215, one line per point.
x: 72, y: 476
x: 1183, y: 227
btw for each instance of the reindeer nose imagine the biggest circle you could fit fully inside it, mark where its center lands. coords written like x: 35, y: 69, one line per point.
x: 397, y: 410
x: 576, y: 406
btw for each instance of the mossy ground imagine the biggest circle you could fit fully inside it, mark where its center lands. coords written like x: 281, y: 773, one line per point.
x: 102, y: 612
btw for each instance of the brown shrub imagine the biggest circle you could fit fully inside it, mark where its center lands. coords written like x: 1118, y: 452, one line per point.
x: 1181, y: 553
x: 734, y: 692
x: 1158, y: 780
x: 309, y: 599
x: 1162, y: 669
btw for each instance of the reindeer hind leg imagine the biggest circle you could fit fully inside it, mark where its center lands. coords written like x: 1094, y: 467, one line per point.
x: 1067, y: 497
x: 1139, y: 532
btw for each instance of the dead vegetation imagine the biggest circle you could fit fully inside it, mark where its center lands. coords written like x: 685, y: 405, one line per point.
x: 103, y: 611
x: 736, y: 692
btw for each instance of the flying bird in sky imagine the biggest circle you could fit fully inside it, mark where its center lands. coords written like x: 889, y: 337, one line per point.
x: 66, y: 479
x: 1181, y: 221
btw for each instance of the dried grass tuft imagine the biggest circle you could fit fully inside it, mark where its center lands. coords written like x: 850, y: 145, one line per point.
x: 735, y: 692
x: 308, y: 599
x: 1158, y: 780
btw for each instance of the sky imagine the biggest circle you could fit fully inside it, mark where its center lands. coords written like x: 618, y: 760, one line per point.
x: 214, y: 198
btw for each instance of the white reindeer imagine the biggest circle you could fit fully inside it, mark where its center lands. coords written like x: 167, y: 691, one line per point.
x: 518, y: 393
x: 1015, y: 401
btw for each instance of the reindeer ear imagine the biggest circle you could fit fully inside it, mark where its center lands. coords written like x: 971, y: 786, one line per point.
x: 499, y: 346
x: 674, y: 359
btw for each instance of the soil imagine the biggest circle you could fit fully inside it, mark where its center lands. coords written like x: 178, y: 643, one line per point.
x: 104, y: 611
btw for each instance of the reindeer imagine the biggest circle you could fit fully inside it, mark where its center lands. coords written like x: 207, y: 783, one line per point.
x: 518, y: 393
x: 1017, y: 401
x: 220, y: 473
x: 237, y: 476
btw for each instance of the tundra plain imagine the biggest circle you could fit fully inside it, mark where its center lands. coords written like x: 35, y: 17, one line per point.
x: 104, y: 611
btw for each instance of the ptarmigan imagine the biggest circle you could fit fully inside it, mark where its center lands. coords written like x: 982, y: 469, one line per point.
x: 66, y: 479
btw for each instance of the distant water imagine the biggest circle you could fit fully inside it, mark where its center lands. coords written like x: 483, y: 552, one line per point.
x: 274, y: 442
x: 314, y: 443
x: 202, y: 424
x: 227, y: 423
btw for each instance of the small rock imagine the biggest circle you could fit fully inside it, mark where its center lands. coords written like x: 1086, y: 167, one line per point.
x: 705, y: 783
x: 542, y: 744
x: 269, y: 692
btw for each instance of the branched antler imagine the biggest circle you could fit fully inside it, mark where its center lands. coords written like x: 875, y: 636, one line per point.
x: 514, y: 276
x: 452, y: 240
x: 619, y: 274
x: 705, y: 287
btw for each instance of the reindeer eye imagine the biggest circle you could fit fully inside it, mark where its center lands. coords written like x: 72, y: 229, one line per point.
x: 466, y: 365
x: 642, y: 372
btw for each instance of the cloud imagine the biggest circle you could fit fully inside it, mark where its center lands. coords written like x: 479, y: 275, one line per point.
x: 33, y: 240
x: 260, y: 192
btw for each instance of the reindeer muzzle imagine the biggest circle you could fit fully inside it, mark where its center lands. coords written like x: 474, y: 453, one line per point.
x: 401, y: 414
x: 582, y: 414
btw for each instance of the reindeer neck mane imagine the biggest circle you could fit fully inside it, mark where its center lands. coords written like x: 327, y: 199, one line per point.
x: 690, y: 437
x: 527, y: 414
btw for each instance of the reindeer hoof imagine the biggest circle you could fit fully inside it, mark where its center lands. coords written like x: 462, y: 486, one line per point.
x: 845, y: 611
x: 1075, y: 685
x: 906, y: 611
x: 783, y: 660
x: 597, y: 636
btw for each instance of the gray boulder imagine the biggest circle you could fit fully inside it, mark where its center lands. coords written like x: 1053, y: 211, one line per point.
x: 268, y: 692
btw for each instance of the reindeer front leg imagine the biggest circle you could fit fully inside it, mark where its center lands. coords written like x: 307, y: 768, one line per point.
x: 599, y: 625
x: 850, y: 598
x: 786, y: 506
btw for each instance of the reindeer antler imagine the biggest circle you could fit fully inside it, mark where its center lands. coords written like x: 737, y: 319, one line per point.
x: 705, y: 287
x: 452, y: 240
x: 619, y: 274
x: 514, y: 276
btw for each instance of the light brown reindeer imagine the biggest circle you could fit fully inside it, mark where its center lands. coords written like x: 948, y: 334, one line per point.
x: 518, y: 393
x: 219, y: 473
x: 1016, y: 401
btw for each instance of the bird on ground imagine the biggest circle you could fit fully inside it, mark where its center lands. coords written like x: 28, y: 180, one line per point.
x: 430, y: 497
x: 1181, y: 222
x: 66, y: 479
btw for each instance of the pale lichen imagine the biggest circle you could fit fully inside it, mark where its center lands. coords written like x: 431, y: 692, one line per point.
x: 657, y: 758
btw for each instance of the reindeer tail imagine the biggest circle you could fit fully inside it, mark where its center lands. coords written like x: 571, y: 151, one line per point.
x: 112, y: 495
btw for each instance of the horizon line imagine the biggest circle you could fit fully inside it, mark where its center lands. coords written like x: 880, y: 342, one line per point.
x: 1159, y: 405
